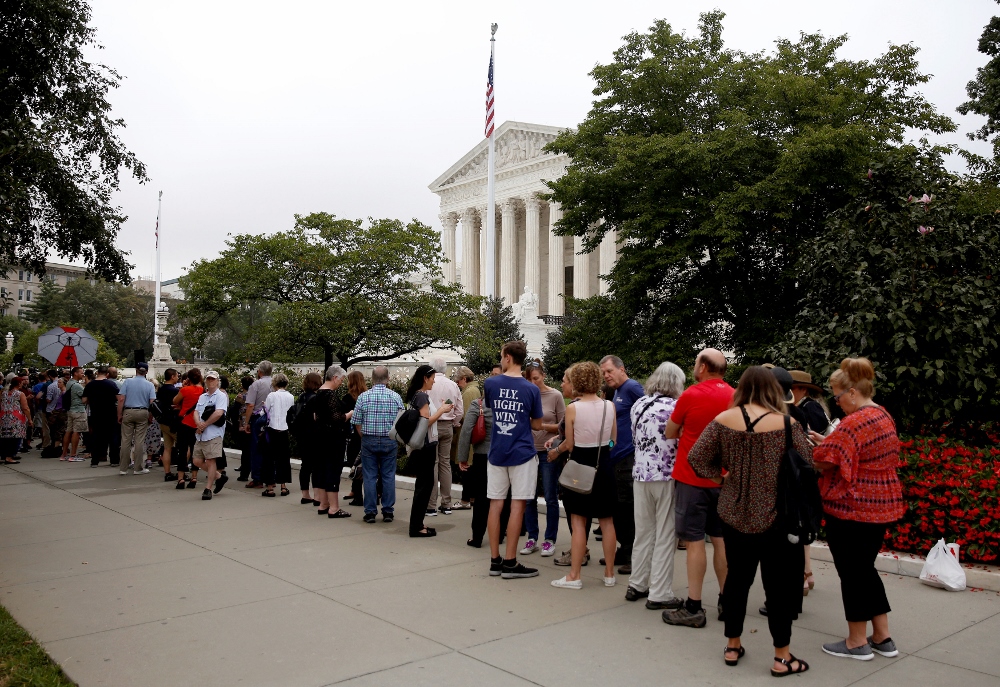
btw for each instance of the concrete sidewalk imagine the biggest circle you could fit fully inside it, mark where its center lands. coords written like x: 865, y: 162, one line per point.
x: 127, y: 581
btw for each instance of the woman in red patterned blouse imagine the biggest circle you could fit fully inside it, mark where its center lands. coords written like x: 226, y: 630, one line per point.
x: 862, y: 496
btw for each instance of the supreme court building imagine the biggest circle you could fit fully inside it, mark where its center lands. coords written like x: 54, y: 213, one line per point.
x: 534, y: 267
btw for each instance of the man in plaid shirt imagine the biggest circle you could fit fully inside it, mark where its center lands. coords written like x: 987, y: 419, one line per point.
x: 374, y: 415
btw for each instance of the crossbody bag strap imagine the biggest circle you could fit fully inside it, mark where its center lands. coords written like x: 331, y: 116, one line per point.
x: 649, y: 405
x: 600, y: 435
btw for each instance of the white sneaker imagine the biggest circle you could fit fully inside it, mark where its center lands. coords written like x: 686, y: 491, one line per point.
x: 609, y: 581
x: 123, y: 472
x: 144, y: 471
x: 530, y: 546
x: 563, y: 583
x: 548, y: 549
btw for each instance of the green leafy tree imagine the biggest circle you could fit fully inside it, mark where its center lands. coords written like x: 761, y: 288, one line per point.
x: 60, y: 154
x: 335, y: 288
x: 119, y: 314
x: 714, y: 166
x: 904, y: 276
x: 492, y: 327
x: 984, y: 99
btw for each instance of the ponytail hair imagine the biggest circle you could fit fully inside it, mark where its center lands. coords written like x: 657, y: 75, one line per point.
x: 855, y: 373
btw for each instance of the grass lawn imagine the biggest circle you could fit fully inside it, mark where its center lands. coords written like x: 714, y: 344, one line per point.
x: 23, y: 662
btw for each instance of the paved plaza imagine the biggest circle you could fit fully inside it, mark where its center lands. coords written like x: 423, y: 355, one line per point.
x: 127, y: 581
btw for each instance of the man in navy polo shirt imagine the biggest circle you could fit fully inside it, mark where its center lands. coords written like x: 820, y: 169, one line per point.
x: 513, y: 461
x: 626, y: 393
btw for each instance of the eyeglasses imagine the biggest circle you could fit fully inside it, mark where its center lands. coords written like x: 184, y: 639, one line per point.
x: 836, y: 397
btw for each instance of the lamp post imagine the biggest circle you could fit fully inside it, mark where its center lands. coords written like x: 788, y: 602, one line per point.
x: 10, y: 341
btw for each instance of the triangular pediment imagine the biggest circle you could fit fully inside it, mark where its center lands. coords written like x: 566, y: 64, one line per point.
x: 516, y: 143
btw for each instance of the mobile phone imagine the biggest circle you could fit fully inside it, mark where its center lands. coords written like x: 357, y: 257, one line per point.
x: 448, y: 402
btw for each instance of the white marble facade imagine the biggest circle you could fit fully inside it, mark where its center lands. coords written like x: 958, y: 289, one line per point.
x: 534, y: 268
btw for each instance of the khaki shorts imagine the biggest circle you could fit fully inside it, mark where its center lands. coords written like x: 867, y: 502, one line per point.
x: 522, y: 480
x: 77, y: 422
x: 210, y: 449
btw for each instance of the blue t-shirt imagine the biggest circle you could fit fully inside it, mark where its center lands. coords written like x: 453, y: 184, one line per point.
x: 515, y: 403
x: 625, y: 397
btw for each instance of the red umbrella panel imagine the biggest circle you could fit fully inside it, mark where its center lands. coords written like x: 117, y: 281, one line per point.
x: 67, y: 346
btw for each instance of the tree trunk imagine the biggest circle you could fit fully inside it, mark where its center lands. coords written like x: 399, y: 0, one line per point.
x: 327, y: 358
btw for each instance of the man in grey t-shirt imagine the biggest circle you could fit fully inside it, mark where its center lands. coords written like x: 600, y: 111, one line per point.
x: 254, y: 420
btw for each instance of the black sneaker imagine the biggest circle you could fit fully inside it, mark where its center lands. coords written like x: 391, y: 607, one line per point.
x: 206, y: 495
x: 242, y: 478
x: 387, y: 517
x: 369, y: 517
x: 668, y: 605
x: 516, y: 571
x: 430, y: 512
x: 633, y: 594
x: 445, y: 510
x: 220, y: 482
x: 496, y: 566
x: 170, y: 477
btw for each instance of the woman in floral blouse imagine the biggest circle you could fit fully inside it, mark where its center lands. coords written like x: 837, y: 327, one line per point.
x: 748, y: 442
x: 653, y: 489
x: 862, y: 496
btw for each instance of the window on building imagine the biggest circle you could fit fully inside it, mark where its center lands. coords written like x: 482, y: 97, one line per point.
x: 28, y: 296
x: 20, y: 275
x: 20, y: 294
x: 27, y: 276
x: 20, y: 314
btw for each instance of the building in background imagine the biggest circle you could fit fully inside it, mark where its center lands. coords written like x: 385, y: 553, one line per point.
x: 19, y: 287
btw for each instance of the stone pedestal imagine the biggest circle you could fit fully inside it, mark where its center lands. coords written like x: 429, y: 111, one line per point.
x: 161, y: 359
x: 532, y: 327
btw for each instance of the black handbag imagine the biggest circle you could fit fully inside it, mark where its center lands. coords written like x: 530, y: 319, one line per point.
x: 207, y: 413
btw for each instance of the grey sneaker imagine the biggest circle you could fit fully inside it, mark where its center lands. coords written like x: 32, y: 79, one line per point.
x: 566, y: 559
x: 839, y: 649
x: 682, y: 616
x: 886, y: 648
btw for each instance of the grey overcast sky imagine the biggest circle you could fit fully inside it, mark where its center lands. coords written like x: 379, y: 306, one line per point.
x: 248, y: 112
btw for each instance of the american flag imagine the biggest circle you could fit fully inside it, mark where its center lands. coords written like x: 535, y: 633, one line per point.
x: 489, y: 100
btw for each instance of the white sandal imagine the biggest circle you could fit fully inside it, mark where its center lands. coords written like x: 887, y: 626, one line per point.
x: 610, y: 581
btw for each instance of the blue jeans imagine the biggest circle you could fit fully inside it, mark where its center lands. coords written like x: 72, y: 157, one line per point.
x: 549, y: 473
x: 378, y: 458
x: 256, y: 455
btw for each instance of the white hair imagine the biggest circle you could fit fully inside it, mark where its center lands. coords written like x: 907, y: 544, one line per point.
x: 667, y: 379
x: 334, y: 371
x: 439, y: 364
x: 265, y: 367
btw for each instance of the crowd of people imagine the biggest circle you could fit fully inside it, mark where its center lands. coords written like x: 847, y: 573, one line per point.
x: 660, y: 467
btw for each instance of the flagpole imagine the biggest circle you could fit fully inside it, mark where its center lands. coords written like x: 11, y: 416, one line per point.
x: 491, y: 213
x: 156, y: 302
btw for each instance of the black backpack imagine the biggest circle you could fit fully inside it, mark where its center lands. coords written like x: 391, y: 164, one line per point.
x: 798, y: 505
x: 299, y: 422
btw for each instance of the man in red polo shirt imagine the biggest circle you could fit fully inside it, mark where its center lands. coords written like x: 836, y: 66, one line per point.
x: 696, y: 499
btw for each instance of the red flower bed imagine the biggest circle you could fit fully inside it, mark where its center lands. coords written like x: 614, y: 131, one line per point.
x: 953, y: 491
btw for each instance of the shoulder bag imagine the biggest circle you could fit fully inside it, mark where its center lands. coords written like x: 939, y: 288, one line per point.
x: 479, y: 429
x: 580, y: 478
x: 410, y: 428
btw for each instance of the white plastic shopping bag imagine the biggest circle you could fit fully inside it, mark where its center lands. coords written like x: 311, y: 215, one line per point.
x: 942, y: 568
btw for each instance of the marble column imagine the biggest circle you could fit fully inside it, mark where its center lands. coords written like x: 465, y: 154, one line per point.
x: 508, y: 251
x: 581, y: 269
x: 608, y: 255
x: 449, y: 220
x: 557, y: 271
x: 470, y: 252
x: 532, y: 237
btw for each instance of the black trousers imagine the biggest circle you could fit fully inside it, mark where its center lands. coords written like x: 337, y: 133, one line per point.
x: 101, y: 432
x: 476, y: 479
x: 276, y: 466
x: 781, y: 568
x: 854, y: 546
x: 423, y: 463
x: 186, y: 438
x: 243, y: 444
x: 624, y: 515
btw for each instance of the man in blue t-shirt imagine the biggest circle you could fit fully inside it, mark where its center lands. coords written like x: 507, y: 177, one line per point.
x: 626, y: 393
x: 513, y: 461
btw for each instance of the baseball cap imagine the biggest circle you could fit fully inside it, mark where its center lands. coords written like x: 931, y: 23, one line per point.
x: 142, y: 366
x: 211, y: 374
